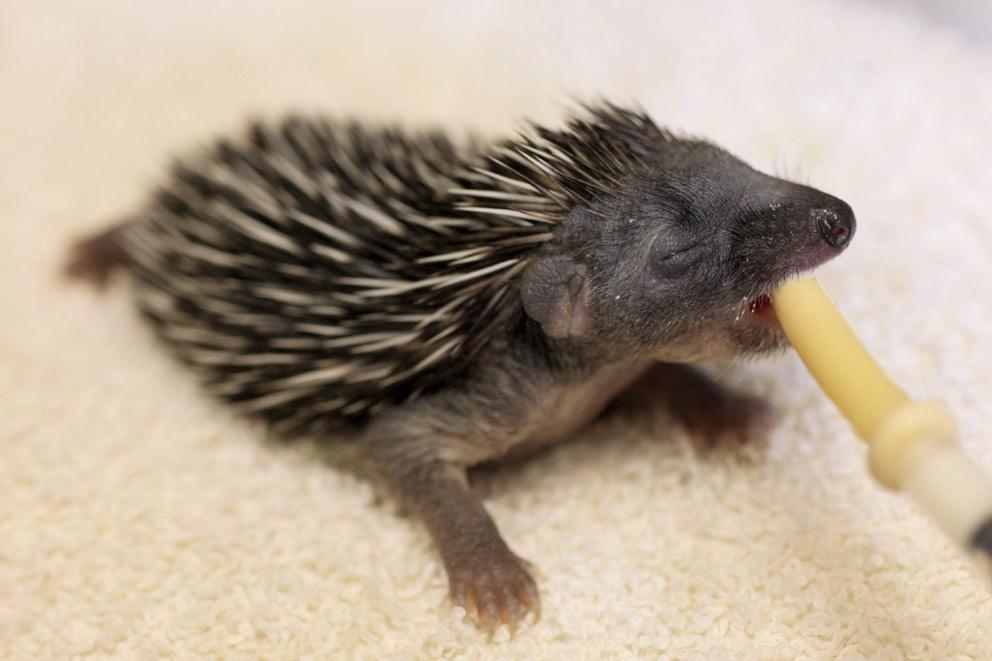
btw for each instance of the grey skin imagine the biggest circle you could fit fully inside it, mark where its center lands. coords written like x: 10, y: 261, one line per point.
x: 622, y: 300
x: 668, y: 270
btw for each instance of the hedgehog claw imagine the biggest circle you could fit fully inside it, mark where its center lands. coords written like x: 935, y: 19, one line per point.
x: 728, y: 420
x: 495, y: 590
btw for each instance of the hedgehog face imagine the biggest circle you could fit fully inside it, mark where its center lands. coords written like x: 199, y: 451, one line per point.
x: 680, y: 263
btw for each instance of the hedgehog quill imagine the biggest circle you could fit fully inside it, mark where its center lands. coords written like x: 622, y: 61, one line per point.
x: 458, y: 304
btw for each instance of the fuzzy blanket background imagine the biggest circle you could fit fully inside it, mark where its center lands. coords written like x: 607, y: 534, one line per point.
x: 139, y: 519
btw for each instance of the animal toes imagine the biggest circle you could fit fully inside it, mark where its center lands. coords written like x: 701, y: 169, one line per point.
x: 495, y: 589
x: 732, y: 420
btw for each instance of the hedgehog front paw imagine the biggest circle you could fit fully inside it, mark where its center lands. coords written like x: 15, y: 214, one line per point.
x: 494, y: 588
x: 724, y: 418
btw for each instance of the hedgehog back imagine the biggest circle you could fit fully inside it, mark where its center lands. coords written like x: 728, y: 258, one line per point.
x: 313, y: 272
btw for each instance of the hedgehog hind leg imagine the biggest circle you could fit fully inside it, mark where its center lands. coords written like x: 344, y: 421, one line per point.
x: 93, y: 259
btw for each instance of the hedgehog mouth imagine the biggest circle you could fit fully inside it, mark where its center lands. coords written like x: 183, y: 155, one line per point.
x: 762, y: 312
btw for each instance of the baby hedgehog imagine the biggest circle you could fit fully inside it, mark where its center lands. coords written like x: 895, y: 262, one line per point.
x: 461, y: 303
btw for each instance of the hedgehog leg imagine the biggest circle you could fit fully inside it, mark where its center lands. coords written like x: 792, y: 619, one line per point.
x: 485, y: 577
x: 714, y: 415
x: 94, y: 258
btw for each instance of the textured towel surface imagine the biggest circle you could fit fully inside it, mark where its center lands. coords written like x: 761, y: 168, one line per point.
x: 139, y: 519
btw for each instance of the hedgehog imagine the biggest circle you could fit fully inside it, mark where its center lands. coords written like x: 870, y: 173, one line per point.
x: 457, y: 303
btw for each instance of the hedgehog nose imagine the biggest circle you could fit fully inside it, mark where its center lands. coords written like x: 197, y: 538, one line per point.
x: 836, y: 223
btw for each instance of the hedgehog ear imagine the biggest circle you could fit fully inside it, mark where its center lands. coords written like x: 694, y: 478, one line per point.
x: 555, y: 294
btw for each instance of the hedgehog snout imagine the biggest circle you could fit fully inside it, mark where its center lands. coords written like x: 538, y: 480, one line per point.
x: 835, y: 223
x: 811, y: 227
